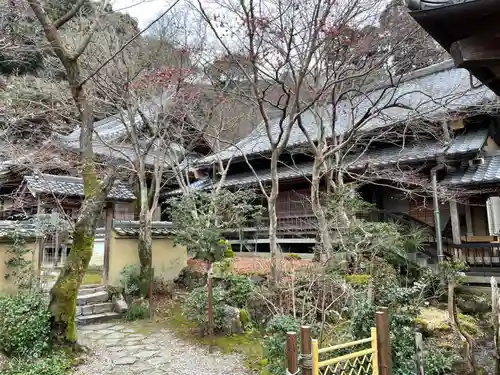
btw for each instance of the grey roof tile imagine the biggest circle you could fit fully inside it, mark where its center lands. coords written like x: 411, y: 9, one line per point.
x: 433, y: 4
x: 462, y: 144
x: 284, y: 173
x: 108, y: 135
x: 26, y: 229
x: 72, y: 187
x: 425, y: 95
x: 488, y: 172
x: 202, y: 183
x: 131, y: 228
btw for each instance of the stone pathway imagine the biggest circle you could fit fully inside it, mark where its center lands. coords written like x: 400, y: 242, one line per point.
x: 119, y: 349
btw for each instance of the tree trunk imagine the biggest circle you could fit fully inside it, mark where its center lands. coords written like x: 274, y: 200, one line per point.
x: 64, y: 293
x: 145, y: 251
x: 273, y: 218
x: 318, y: 210
x: 465, y: 338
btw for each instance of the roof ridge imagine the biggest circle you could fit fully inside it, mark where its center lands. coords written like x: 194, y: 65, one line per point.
x: 415, y: 74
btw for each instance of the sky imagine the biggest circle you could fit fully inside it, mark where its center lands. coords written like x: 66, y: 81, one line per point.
x: 143, y: 10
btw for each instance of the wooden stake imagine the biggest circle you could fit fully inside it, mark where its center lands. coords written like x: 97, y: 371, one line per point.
x: 291, y: 353
x: 108, y: 232
x: 305, y: 348
x: 419, y: 345
x: 210, y: 306
x: 383, y: 342
x: 150, y: 294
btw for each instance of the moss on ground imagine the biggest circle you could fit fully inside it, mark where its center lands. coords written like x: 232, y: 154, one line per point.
x: 92, y: 277
x: 248, y: 345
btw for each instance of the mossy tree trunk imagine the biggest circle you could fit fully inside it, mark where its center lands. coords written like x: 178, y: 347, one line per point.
x: 145, y: 251
x: 64, y: 293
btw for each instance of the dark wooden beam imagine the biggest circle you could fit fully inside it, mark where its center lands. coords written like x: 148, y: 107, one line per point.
x: 108, y: 228
x: 477, y: 51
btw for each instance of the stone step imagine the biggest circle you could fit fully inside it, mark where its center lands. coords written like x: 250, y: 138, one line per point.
x: 96, y: 308
x: 96, y: 318
x: 91, y: 289
x: 93, y: 298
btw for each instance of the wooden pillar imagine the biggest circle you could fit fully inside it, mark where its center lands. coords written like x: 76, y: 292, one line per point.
x: 305, y: 348
x: 39, y: 211
x: 468, y: 220
x: 108, y: 227
x: 291, y: 353
x: 455, y: 222
x: 419, y: 346
x: 383, y: 342
x: 455, y: 228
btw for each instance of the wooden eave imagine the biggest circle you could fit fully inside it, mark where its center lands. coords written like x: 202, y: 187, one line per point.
x: 470, y: 32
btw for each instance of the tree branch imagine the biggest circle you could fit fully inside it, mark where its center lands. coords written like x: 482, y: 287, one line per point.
x: 68, y: 16
x: 106, y: 62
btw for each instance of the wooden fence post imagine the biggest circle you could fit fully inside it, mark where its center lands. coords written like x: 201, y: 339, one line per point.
x: 419, y: 346
x: 291, y: 353
x: 315, y: 357
x: 375, y: 353
x: 383, y: 342
x: 305, y: 348
x: 150, y: 293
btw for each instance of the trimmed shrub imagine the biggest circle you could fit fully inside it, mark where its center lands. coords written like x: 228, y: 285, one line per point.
x: 196, y: 307
x: 130, y: 280
x: 24, y: 325
x: 275, y: 342
x: 239, y: 290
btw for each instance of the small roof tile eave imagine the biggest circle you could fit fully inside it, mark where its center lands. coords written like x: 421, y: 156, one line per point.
x: 72, y: 187
x: 486, y: 173
x: 128, y: 228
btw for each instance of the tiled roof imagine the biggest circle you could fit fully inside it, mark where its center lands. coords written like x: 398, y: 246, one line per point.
x: 462, y: 144
x: 108, y: 135
x: 131, y: 228
x: 432, y: 4
x: 488, y: 172
x: 200, y: 184
x: 72, y: 187
x: 25, y: 229
x: 284, y: 173
x: 426, y: 94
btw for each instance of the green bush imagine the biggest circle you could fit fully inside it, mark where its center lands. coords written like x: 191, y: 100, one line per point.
x: 137, y: 310
x: 358, y: 280
x: 130, y: 280
x: 196, y: 306
x: 239, y: 289
x: 402, y: 323
x: 57, y: 363
x: 275, y: 342
x: 24, y: 325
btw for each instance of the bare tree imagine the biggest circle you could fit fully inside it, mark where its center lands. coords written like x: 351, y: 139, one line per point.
x: 71, y: 55
x: 62, y: 303
x: 281, y: 40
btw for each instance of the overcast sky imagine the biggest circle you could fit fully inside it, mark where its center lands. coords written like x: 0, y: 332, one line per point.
x: 143, y: 10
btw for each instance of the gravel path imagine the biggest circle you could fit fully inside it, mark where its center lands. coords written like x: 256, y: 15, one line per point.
x: 120, y: 350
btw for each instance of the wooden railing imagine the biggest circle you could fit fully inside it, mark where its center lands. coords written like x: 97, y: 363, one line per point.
x: 298, y: 223
x: 477, y: 254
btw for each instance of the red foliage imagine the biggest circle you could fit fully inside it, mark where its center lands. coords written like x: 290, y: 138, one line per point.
x: 164, y: 77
